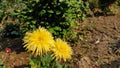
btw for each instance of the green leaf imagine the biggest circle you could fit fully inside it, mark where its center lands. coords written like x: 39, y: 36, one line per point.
x: 1, y: 61
x: 14, y: 33
x: 34, y: 21
x: 42, y: 12
x: 29, y: 18
x: 30, y: 10
x: 57, y: 28
x: 52, y: 30
x: 58, y: 65
x: 37, y: 1
x: 50, y: 11
x: 46, y: 61
x: 81, y: 37
x: 58, y: 12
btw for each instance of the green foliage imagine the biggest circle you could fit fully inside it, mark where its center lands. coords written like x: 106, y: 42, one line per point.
x: 58, y: 16
x: 11, y: 31
x: 8, y: 8
x: 77, y: 10
x: 47, y: 14
x: 45, y: 61
x: 94, y: 4
x: 108, y: 7
x: 1, y: 64
x: 72, y: 37
x: 118, y: 3
x: 111, y: 10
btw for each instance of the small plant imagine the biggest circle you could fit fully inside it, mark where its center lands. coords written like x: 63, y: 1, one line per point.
x: 45, y: 61
x: 77, y: 11
x: 46, y: 52
x: 1, y: 64
x: 11, y: 31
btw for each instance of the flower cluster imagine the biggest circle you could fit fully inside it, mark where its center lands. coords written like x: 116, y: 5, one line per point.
x: 41, y: 41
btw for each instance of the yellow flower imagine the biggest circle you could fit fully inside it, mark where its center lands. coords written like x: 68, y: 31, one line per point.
x: 39, y: 41
x: 62, y: 50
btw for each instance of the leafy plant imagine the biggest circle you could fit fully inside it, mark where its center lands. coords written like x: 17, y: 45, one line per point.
x: 77, y: 10
x: 58, y: 16
x: 9, y: 7
x: 118, y: 3
x: 45, y: 61
x: 106, y: 7
x: 11, y: 31
x: 45, y: 13
x: 1, y: 64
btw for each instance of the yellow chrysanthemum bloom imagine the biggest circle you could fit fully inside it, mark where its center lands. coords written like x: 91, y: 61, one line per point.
x: 39, y: 41
x: 62, y: 50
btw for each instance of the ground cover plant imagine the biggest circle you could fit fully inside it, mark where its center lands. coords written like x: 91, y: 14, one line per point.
x: 59, y: 34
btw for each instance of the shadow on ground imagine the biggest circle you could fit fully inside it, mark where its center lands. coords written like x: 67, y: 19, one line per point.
x: 116, y: 63
x: 113, y: 64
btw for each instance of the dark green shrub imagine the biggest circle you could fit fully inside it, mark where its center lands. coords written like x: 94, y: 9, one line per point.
x: 11, y: 31
x: 48, y: 14
x: 58, y: 16
x: 45, y: 61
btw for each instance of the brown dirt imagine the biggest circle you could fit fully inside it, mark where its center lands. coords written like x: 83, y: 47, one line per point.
x: 101, y: 41
x: 98, y: 45
x: 15, y: 60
